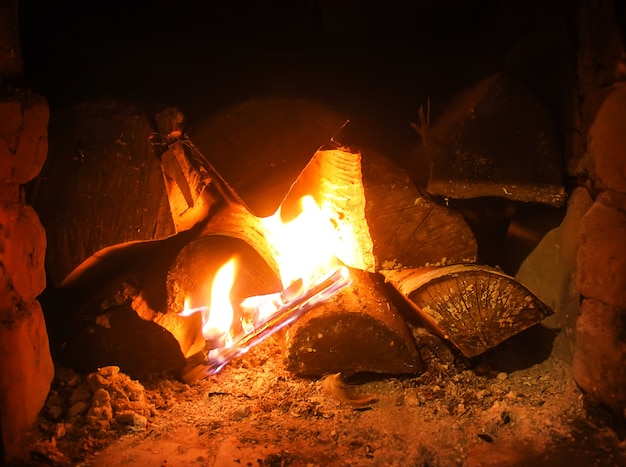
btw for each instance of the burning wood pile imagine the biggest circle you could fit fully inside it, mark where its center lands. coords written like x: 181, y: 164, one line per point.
x: 363, y: 272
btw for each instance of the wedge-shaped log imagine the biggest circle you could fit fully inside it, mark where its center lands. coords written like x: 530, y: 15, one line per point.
x: 493, y: 139
x: 357, y: 330
x: 195, y: 190
x: 380, y: 216
x: 475, y: 307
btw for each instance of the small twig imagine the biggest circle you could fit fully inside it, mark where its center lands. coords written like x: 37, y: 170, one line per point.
x: 424, y: 121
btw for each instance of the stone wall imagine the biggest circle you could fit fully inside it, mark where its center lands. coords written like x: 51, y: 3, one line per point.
x: 579, y: 268
x: 600, y: 357
x: 26, y: 368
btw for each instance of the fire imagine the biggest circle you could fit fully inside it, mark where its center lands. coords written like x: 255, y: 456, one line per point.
x: 309, y: 270
x: 217, y: 318
x: 305, y: 246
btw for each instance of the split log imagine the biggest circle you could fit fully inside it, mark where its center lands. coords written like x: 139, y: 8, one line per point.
x: 357, y: 330
x: 380, y: 216
x: 366, y: 194
x: 194, y: 188
x: 108, y: 329
x: 122, y: 303
x: 493, y: 140
x: 475, y: 307
x: 101, y: 184
x: 199, y: 196
x: 112, y: 310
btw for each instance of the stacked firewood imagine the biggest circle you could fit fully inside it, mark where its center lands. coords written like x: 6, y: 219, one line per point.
x: 413, y: 261
x: 425, y: 251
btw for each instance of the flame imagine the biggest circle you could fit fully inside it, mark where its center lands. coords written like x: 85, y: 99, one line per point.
x: 305, y: 246
x: 304, y: 250
x: 217, y: 318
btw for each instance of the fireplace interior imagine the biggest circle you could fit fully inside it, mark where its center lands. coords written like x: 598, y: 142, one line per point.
x: 423, y: 204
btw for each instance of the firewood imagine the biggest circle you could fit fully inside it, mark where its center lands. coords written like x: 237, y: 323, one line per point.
x: 119, y: 335
x: 200, y: 197
x: 493, y: 139
x: 380, y: 218
x: 473, y: 306
x: 380, y: 215
x: 194, y: 188
x: 101, y: 184
x: 112, y: 309
x: 357, y: 330
x: 128, y: 295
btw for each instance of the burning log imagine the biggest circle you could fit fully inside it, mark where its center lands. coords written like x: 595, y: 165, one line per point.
x: 194, y: 270
x: 382, y: 218
x: 382, y: 221
x: 360, y: 196
x: 356, y: 330
x: 366, y: 213
x: 475, y: 307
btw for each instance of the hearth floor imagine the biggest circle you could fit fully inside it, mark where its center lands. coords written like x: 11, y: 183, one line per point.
x: 254, y: 413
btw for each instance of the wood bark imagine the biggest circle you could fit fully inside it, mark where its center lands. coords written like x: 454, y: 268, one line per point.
x: 473, y: 306
x: 101, y: 184
x: 356, y: 330
x: 194, y: 188
x: 494, y: 139
x: 381, y: 217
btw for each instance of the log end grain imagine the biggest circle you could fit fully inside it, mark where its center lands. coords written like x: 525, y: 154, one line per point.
x: 473, y: 306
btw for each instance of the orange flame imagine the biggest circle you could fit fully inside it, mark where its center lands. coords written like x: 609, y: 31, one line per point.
x: 217, y: 318
x: 305, y: 253
x: 305, y: 246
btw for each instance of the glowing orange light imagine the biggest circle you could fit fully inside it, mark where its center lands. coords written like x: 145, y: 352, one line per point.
x: 305, y: 246
x: 306, y: 251
x: 217, y: 318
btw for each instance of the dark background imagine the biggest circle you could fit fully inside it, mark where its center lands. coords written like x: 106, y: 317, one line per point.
x: 372, y: 60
